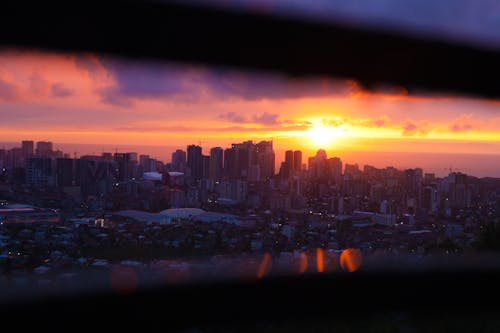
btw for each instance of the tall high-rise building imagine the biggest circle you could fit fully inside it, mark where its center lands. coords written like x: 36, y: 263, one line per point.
x: 179, y: 161
x: 28, y: 148
x: 3, y: 155
x: 266, y: 159
x: 131, y: 157
x: 318, y: 165
x: 96, y: 176
x: 216, y: 163
x: 125, y: 165
x: 205, y: 169
x: 288, y: 166
x: 244, y: 153
x: 230, y: 165
x: 15, y: 158
x: 106, y: 156
x: 195, y: 161
x: 144, y: 162
x: 44, y: 148
x: 297, y: 160
x: 65, y: 172
x: 38, y: 170
x: 335, y: 170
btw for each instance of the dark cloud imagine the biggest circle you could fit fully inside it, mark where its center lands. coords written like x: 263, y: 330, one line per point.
x: 136, y: 80
x: 88, y: 62
x: 59, y: 90
x: 257, y: 86
x: 8, y: 92
x: 476, y: 22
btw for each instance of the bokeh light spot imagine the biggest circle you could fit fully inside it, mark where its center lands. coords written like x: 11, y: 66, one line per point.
x: 350, y: 260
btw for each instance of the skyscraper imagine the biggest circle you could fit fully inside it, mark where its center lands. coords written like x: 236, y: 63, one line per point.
x: 244, y: 152
x: 216, y: 165
x: 28, y: 148
x: 266, y: 159
x: 318, y: 165
x: 38, y: 170
x: 144, y: 162
x: 205, y: 170
x: 179, y: 161
x: 44, y: 148
x: 195, y: 161
x: 64, y: 172
x: 230, y: 165
x: 288, y: 166
x: 335, y: 170
x: 297, y: 160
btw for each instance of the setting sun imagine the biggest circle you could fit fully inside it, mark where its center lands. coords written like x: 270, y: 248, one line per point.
x: 322, y: 136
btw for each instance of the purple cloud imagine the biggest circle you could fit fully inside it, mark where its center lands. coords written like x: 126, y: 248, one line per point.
x: 59, y: 90
x: 410, y: 129
x: 8, y: 91
x: 232, y: 117
x: 37, y: 83
x: 183, y: 129
x: 135, y: 80
x: 463, y: 123
x: 88, y: 62
x: 266, y: 119
x: 381, y: 121
x: 262, y: 119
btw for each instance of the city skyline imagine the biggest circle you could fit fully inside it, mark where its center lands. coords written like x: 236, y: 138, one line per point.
x: 440, y: 164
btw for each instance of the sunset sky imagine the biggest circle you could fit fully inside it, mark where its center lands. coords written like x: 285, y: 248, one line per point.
x: 99, y: 100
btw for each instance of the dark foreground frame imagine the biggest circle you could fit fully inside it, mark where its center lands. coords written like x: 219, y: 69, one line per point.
x: 172, y: 32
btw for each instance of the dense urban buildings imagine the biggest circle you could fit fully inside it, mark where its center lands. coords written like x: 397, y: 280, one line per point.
x: 229, y: 201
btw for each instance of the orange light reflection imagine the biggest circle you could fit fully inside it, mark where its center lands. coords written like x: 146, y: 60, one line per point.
x: 303, y: 263
x: 123, y: 279
x: 350, y: 260
x: 265, y: 266
x: 320, y: 265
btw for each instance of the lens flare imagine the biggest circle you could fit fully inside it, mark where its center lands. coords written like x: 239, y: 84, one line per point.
x: 265, y: 266
x: 303, y: 262
x: 350, y: 260
x: 320, y: 264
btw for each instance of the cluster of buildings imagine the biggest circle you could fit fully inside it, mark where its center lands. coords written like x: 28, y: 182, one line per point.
x: 99, y: 211
x: 237, y: 179
x: 195, y: 244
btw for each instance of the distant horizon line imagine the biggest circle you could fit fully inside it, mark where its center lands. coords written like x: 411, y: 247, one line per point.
x: 283, y: 149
